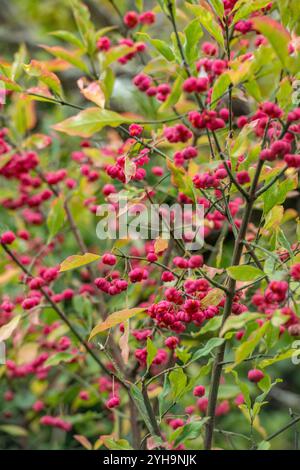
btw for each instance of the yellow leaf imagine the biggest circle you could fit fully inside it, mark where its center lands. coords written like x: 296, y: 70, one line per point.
x: 239, y: 71
x: 155, y: 392
x: 114, y: 319
x: 274, y: 218
x: 160, y: 245
x: 7, y: 330
x: 76, y: 261
x: 38, y: 387
x: 8, y: 275
x: 214, y: 297
x: 27, y: 353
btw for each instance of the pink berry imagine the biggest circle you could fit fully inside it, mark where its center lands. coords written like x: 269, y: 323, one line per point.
x: 84, y: 395
x: 109, y: 259
x: 131, y: 19
x: 113, y: 402
x: 199, y: 391
x: 172, y: 342
x: 7, y: 238
x: 255, y: 375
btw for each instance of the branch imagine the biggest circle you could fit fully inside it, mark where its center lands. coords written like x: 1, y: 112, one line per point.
x: 284, y: 428
x: 217, y: 366
x: 60, y: 313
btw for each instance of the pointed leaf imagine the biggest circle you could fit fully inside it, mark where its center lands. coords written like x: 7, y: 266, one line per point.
x: 7, y: 330
x: 114, y: 319
x: 244, y: 273
x: 88, y: 122
x: 76, y: 261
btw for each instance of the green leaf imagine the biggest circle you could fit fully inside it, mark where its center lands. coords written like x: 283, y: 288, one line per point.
x: 84, y: 24
x: 208, y: 22
x: 246, y: 348
x: 246, y: 9
x: 151, y: 352
x: 181, y: 180
x: 88, y: 122
x: 13, y: 430
x: 220, y: 87
x: 139, y: 4
x: 178, y: 381
x: 193, y: 32
x: 208, y: 348
x: 187, y: 432
x: 284, y: 94
x: 67, y: 37
x: 120, y: 444
x: 283, y: 242
x: 174, y: 96
x: 56, y: 217
x: 163, y: 395
x: 114, y: 54
x: 244, y: 273
x: 212, y: 325
x: 17, y: 65
x: 264, y: 445
x: 161, y: 46
x: 218, y: 6
x: 277, y: 193
x: 58, y: 358
x: 266, y: 385
x: 279, y: 357
x: 235, y: 322
x: 241, y: 142
x: 76, y: 261
x: 244, y: 389
x: 138, y: 399
x: 183, y: 354
x: 274, y: 218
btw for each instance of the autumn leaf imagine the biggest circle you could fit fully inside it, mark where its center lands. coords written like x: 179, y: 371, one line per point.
x: 114, y: 319
x: 83, y: 441
x: 39, y: 70
x: 276, y: 34
x: 214, y: 297
x: 7, y: 330
x: 8, y: 275
x: 71, y: 57
x: 76, y: 261
x: 10, y: 84
x: 92, y: 91
x: 160, y: 245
